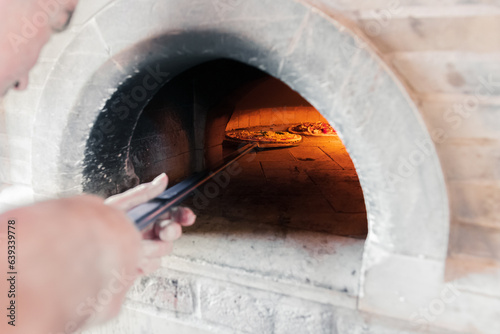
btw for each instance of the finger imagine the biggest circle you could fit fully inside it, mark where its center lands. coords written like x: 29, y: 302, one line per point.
x: 187, y: 217
x: 148, y: 266
x: 161, y: 223
x: 156, y: 248
x: 150, y: 233
x: 182, y: 215
x: 171, y: 232
x: 166, y: 230
x: 163, y: 231
x: 138, y: 195
x: 179, y: 215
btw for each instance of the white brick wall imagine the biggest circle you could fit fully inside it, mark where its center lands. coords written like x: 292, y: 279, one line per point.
x: 449, y: 72
x: 450, y: 59
x: 166, y: 290
x: 217, y: 306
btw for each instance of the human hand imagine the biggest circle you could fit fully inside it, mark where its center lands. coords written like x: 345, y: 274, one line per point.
x: 157, y: 240
x: 80, y: 256
x: 77, y: 259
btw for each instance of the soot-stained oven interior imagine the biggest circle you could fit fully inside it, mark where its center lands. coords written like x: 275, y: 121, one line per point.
x: 313, y: 186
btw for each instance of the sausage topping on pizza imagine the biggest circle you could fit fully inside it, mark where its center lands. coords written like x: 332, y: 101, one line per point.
x: 313, y: 129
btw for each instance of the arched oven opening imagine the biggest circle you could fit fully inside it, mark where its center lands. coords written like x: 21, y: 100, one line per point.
x: 312, y: 186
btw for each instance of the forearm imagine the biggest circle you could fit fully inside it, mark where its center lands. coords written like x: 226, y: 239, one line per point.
x: 16, y: 299
x: 67, y: 252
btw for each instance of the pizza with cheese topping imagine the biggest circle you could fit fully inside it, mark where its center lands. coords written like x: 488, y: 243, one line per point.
x: 264, y: 136
x: 313, y: 129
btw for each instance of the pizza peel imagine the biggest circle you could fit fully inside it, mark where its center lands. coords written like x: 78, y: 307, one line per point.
x: 260, y: 145
x: 146, y: 214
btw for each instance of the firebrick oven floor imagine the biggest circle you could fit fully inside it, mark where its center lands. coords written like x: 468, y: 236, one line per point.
x: 311, y: 187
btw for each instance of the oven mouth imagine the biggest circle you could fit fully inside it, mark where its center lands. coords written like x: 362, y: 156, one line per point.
x: 182, y: 130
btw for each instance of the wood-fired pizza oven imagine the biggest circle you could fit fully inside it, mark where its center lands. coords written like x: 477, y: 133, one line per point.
x: 298, y: 237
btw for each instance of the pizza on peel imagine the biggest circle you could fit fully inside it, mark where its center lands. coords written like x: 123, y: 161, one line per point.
x: 265, y: 136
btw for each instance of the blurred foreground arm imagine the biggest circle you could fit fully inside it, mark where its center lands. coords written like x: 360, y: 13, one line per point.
x: 77, y: 257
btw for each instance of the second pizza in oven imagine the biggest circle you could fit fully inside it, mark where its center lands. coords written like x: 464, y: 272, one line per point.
x: 313, y: 129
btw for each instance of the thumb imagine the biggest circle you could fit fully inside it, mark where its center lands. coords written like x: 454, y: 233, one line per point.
x: 138, y: 195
